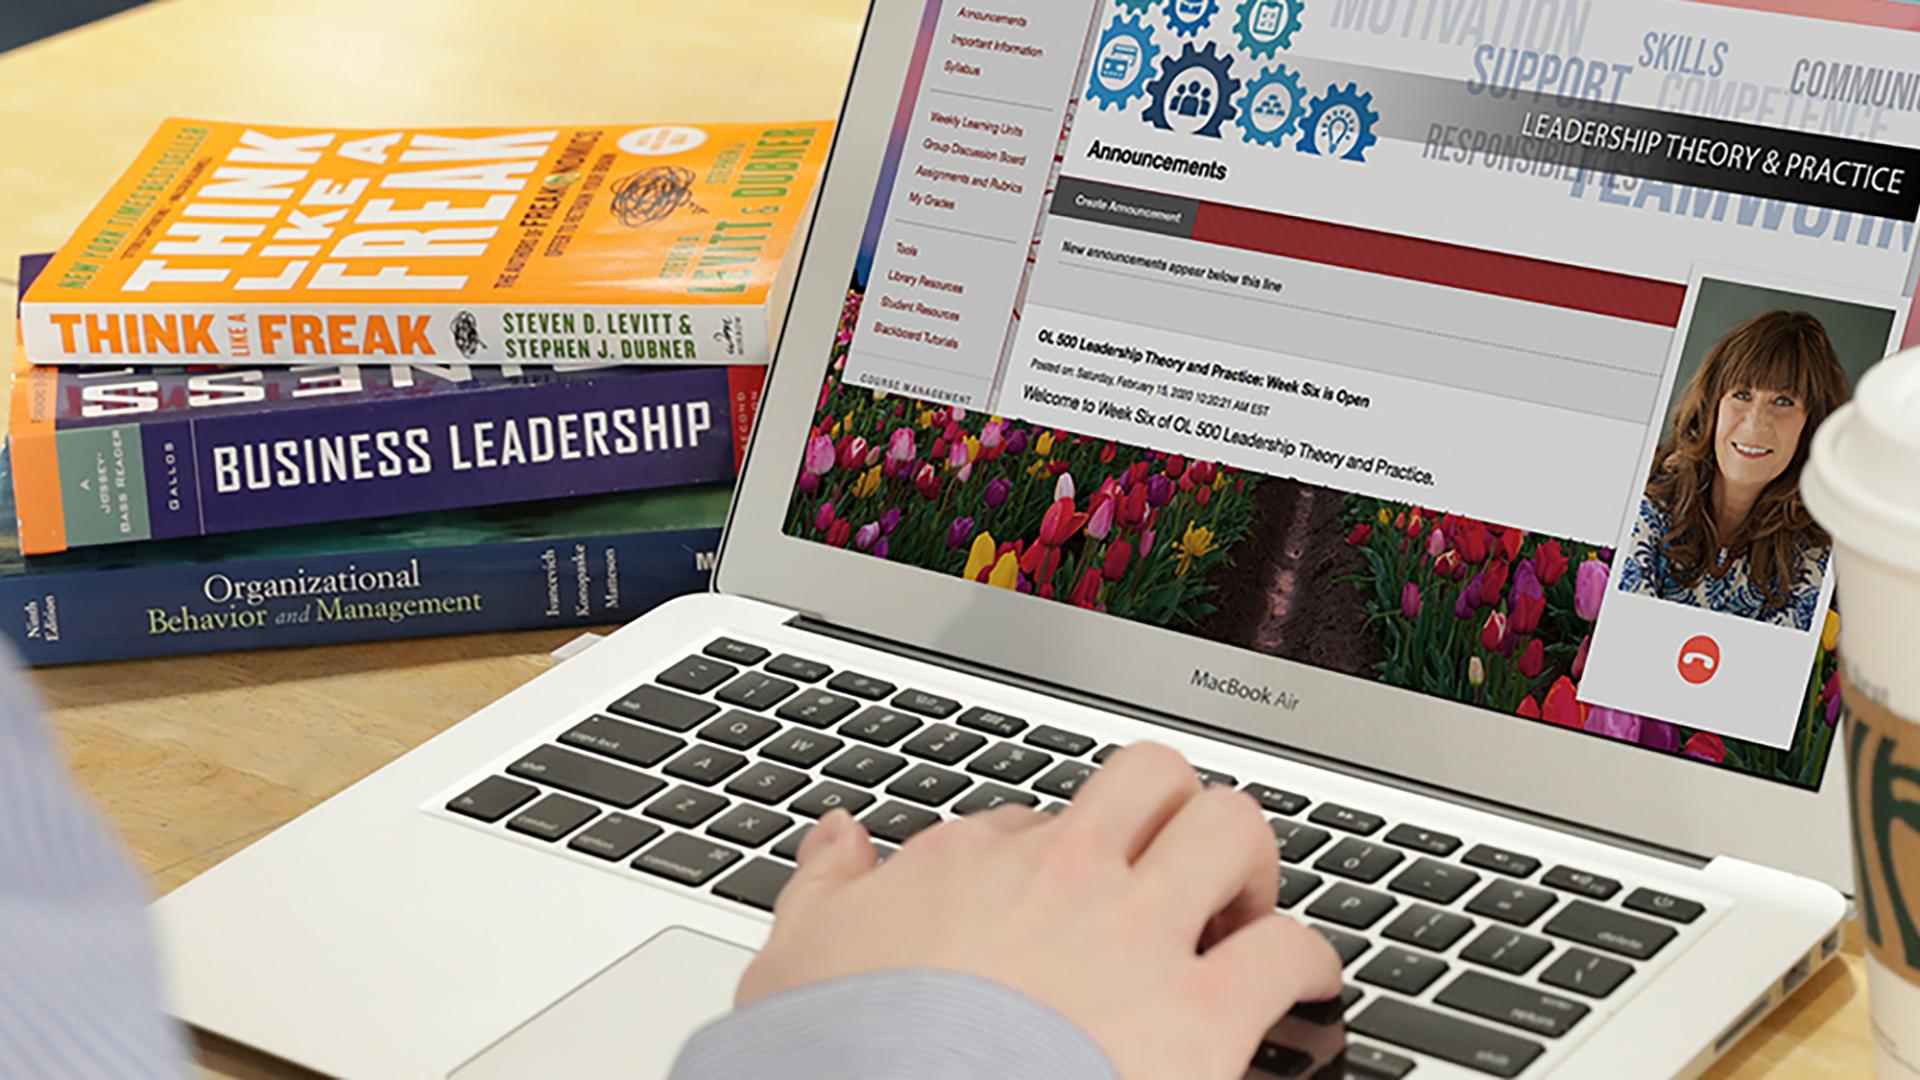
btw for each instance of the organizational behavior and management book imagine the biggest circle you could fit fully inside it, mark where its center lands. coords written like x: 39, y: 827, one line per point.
x: 242, y: 244
x: 117, y: 455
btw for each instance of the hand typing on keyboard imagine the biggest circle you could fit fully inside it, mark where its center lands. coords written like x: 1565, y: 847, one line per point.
x: 1143, y: 912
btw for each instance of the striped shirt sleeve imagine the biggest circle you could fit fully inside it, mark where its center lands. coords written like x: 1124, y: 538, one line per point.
x: 79, y: 984
x: 929, y: 1025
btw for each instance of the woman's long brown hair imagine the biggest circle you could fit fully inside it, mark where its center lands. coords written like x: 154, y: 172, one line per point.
x: 1785, y: 351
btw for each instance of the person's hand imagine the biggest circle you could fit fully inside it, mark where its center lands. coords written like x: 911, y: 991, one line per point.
x: 1144, y: 913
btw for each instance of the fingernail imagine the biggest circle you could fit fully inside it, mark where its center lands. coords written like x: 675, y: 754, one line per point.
x: 832, y: 826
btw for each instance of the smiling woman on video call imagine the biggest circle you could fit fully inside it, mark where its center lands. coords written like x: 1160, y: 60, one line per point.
x: 1722, y: 525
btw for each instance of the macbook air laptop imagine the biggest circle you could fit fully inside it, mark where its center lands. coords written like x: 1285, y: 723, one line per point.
x: 1279, y: 382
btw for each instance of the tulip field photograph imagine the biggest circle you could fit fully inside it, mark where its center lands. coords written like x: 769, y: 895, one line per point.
x: 1449, y: 606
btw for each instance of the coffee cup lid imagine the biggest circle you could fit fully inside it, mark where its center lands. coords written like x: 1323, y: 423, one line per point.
x: 1863, y: 480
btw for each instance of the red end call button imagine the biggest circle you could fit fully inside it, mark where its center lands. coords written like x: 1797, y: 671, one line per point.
x: 1699, y: 659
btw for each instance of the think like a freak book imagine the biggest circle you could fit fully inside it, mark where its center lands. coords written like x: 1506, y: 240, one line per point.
x: 245, y: 244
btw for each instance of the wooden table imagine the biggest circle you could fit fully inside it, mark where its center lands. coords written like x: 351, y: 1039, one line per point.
x: 194, y: 758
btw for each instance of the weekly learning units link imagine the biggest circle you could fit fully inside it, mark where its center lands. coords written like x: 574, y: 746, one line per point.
x: 232, y: 243
x: 1429, y: 261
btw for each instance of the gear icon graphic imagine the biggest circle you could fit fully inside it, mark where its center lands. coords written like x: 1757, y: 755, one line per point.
x: 1339, y: 124
x: 1271, y: 108
x: 1194, y: 92
x: 1136, y: 5
x: 1122, y: 64
x: 1189, y: 17
x: 1267, y: 26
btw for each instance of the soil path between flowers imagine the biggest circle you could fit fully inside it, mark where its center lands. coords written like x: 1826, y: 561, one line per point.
x: 1283, y: 596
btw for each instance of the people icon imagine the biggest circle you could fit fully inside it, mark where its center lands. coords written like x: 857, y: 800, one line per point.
x: 1193, y: 99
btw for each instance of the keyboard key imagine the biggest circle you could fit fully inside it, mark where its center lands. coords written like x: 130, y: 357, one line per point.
x: 1506, y: 950
x: 817, y: 708
x: 1048, y: 737
x: 590, y: 777
x: 705, y: 765
x: 750, y: 826
x: 1462, y: 1042
x: 1430, y: 879
x: 756, y: 884
x: 1604, y: 928
x: 1296, y: 885
x: 1512, y: 903
x: 1212, y: 778
x: 1065, y: 781
x: 1101, y: 755
x: 864, y: 765
x: 1276, y: 801
x: 552, y: 817
x: 880, y: 726
x: 919, y: 701
x: 739, y: 730
x: 1009, y: 763
x: 622, y: 741
x: 1429, y: 928
x: 756, y: 691
x: 802, y: 749
x: 1500, y: 861
x: 688, y: 860
x: 898, y: 822
x: 1533, y: 1011
x: 989, y: 796
x: 793, y: 667
x: 1328, y: 1012
x: 1402, y: 969
x: 1592, y: 886
x: 992, y: 722
x: 865, y: 686
x: 697, y: 674
x: 1296, y: 841
x: 789, y: 846
x: 663, y: 708
x: 1283, y: 1061
x: 929, y: 785
x: 827, y: 796
x: 1351, y: 906
x: 1586, y: 973
x: 1359, y: 860
x: 686, y: 806
x: 1362, y: 1062
x: 493, y: 798
x: 1349, y: 946
x: 1664, y: 905
x: 738, y: 652
x: 1423, y: 840
x: 1347, y: 818
x: 615, y: 837
x: 944, y: 744
x: 767, y: 783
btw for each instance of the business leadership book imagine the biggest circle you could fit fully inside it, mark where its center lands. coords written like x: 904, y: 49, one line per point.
x: 113, y: 455
x: 231, y: 243
x: 598, y: 560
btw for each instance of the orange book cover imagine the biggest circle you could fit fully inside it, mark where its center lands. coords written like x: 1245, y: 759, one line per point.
x: 239, y: 243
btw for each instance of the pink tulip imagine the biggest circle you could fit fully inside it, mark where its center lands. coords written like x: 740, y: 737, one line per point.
x: 1436, y: 544
x: 820, y: 455
x: 1410, y: 602
x: 1614, y: 724
x: 868, y: 535
x: 1101, y: 522
x: 1063, y: 487
x: 1146, y: 542
x: 1580, y: 658
x: 957, y: 454
x: 1589, y: 589
x: 823, y: 520
x: 902, y: 448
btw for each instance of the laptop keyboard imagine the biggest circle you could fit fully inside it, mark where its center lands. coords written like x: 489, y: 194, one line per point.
x: 711, y: 775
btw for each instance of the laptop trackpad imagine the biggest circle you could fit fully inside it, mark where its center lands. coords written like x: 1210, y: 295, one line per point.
x: 626, y: 1022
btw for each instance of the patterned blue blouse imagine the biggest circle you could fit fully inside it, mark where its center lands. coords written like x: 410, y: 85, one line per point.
x: 1646, y: 571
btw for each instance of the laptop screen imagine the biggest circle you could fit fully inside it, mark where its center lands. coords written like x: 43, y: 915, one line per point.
x: 1469, y: 346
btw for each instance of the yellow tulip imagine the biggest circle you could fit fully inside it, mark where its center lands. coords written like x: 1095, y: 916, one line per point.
x: 973, y: 448
x: 868, y: 483
x: 1006, y: 572
x: 1197, y: 542
x: 1385, y: 518
x: 1044, y: 444
x: 980, y: 556
x: 1830, y: 634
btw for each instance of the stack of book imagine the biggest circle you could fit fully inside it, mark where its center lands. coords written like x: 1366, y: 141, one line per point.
x: 295, y: 386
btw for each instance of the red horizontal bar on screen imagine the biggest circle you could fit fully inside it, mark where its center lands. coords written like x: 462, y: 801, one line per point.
x: 1516, y: 277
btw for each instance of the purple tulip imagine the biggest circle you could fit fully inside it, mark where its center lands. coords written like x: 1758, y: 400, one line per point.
x: 1589, y: 588
x: 824, y: 520
x: 997, y: 491
x: 868, y: 536
x: 1833, y: 711
x: 1467, y: 604
x: 1159, y: 490
x: 959, y: 533
x: 1614, y: 724
x: 890, y: 521
x: 809, y: 483
x: 821, y: 455
x: 880, y: 549
x: 1526, y: 582
x: 1017, y: 442
x: 1659, y: 735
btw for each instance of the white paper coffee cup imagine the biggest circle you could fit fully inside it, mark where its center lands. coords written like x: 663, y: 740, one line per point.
x: 1863, y: 485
